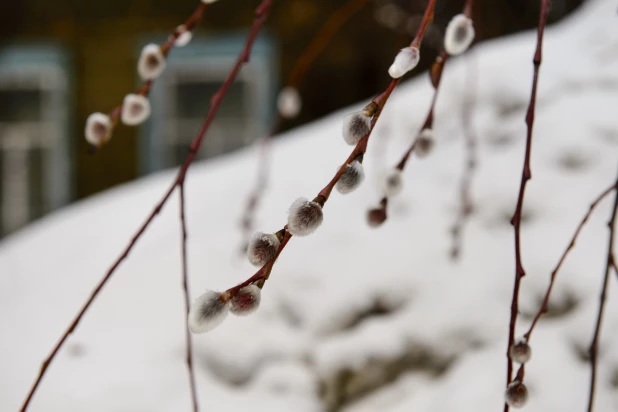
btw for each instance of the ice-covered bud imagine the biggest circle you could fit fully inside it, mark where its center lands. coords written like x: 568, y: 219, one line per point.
x: 151, y: 62
x: 424, y: 143
x: 520, y: 351
x: 98, y: 127
x: 262, y: 248
x: 356, y: 126
x: 184, y: 36
x: 516, y: 395
x: 305, y: 217
x: 135, y: 109
x: 351, y: 178
x: 392, y: 183
x: 459, y: 35
x: 406, y: 60
x: 208, y: 311
x: 289, y: 102
x: 246, y: 301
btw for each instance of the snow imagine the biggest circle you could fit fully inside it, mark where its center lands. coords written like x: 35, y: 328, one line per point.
x: 349, y: 303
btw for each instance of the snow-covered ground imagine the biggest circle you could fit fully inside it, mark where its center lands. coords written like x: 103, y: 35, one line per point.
x: 348, y: 309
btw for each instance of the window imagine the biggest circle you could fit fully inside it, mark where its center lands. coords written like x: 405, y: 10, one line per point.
x: 181, y: 98
x: 34, y: 162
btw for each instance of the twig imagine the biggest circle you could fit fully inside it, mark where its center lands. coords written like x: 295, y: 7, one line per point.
x: 465, y: 186
x: 166, y: 47
x: 332, y: 26
x: 435, y: 74
x: 185, y: 288
x: 260, y: 16
x: 554, y: 273
x: 376, y: 106
x: 525, y: 176
x: 597, y: 331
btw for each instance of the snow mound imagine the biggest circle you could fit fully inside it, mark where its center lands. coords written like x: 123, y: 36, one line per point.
x: 353, y: 318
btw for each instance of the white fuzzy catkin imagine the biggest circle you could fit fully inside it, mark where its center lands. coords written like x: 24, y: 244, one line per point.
x: 262, y: 248
x: 289, y: 102
x: 351, y: 178
x: 516, y: 395
x: 98, y: 126
x: 151, y: 62
x: 135, y: 109
x: 356, y: 126
x: 305, y: 217
x: 459, y: 35
x: 406, y: 60
x: 520, y: 351
x: 246, y: 301
x: 208, y: 311
x: 424, y: 143
x: 392, y: 182
x: 208, y: 1
x: 184, y: 36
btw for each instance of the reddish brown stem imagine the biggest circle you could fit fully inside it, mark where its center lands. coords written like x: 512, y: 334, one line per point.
x: 296, y: 78
x: 166, y: 47
x: 593, y: 351
x: 185, y: 289
x: 377, y: 104
x: 525, y: 176
x: 543, y: 308
x: 465, y: 186
x: 261, y: 14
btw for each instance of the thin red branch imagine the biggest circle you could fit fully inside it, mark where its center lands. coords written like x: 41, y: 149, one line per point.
x: 465, y: 186
x: 554, y: 273
x: 593, y: 351
x: 376, y: 105
x: 166, y: 47
x: 295, y: 79
x: 260, y: 16
x: 525, y: 176
x: 185, y: 289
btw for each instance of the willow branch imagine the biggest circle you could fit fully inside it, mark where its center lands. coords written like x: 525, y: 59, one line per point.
x: 166, y: 47
x: 593, y: 350
x: 260, y: 16
x: 543, y: 309
x: 298, y: 74
x: 185, y: 289
x: 526, y: 175
x: 377, y: 104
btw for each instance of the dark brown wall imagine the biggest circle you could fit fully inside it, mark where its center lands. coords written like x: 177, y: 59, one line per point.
x: 102, y: 37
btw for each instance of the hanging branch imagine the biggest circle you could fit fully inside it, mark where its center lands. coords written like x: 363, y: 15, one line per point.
x: 144, y: 90
x: 465, y: 186
x: 305, y: 216
x: 459, y: 35
x: 298, y: 74
x: 610, y: 262
x: 260, y: 16
x: 525, y: 176
x: 185, y: 289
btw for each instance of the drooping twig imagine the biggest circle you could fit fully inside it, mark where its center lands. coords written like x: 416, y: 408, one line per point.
x: 525, y: 176
x: 166, y: 47
x: 543, y: 309
x: 298, y: 74
x: 593, y: 350
x: 435, y: 74
x: 260, y: 16
x: 375, y: 107
x: 465, y: 185
x: 185, y: 288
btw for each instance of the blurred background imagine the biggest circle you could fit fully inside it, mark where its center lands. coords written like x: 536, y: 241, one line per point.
x: 62, y: 60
